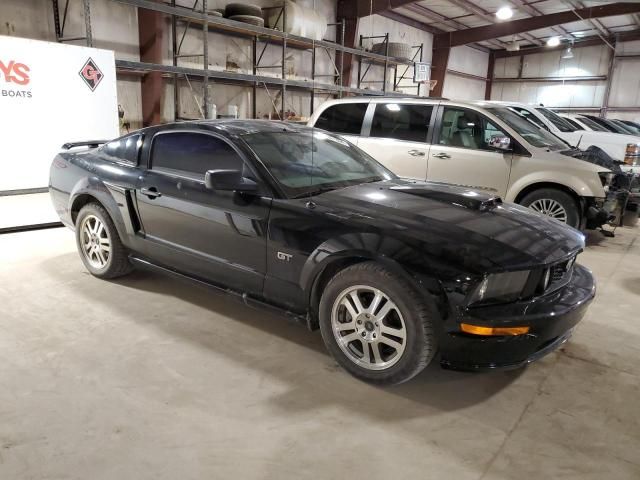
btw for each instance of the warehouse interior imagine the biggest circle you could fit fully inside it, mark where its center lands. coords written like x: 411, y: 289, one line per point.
x: 149, y: 376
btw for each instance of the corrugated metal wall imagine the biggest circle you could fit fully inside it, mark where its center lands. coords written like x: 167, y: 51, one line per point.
x: 591, y: 61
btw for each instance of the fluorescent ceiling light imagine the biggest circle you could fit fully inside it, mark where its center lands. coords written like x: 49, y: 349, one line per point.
x: 504, y: 13
x: 553, y: 41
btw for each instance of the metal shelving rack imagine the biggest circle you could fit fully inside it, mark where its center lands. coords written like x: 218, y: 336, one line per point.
x: 260, y: 38
x: 387, y: 63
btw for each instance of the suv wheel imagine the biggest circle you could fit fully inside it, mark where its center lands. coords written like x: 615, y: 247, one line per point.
x: 99, y: 245
x: 555, y: 204
x: 376, y: 325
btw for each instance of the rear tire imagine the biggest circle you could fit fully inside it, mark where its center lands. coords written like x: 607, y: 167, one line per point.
x: 555, y: 204
x: 99, y: 244
x: 386, y: 336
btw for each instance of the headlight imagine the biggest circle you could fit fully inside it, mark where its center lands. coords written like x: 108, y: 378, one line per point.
x: 632, y: 153
x: 500, y: 287
x: 606, y: 178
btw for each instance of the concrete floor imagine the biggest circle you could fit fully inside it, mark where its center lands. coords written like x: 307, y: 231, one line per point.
x: 151, y: 378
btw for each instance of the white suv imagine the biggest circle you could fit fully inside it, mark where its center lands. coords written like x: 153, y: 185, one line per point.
x: 476, y: 144
x: 621, y: 147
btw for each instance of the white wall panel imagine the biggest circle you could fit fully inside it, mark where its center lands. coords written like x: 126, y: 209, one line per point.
x: 460, y: 88
x: 469, y: 60
x: 625, y: 86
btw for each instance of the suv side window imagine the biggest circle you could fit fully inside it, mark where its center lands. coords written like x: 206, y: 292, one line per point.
x: 124, y: 149
x: 343, y: 118
x: 191, y: 154
x: 467, y: 129
x: 402, y: 122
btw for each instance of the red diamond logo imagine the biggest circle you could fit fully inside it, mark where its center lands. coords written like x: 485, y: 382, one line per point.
x: 91, y: 74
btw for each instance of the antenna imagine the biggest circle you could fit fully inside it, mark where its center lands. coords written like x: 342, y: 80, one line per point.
x: 310, y: 204
x: 579, y: 141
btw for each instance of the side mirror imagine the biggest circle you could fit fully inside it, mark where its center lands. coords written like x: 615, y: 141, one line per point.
x: 500, y: 142
x: 229, y: 180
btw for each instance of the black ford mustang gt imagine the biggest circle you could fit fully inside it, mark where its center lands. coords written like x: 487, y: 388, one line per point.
x: 393, y: 272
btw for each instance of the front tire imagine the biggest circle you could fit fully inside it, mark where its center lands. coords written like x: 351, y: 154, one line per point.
x: 377, y: 325
x: 99, y: 244
x: 555, y: 204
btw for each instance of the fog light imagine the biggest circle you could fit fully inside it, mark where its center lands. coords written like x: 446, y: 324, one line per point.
x: 493, y: 331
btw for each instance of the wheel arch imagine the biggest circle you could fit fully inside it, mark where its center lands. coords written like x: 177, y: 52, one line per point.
x: 94, y: 190
x: 338, y: 261
x: 80, y: 201
x: 540, y: 185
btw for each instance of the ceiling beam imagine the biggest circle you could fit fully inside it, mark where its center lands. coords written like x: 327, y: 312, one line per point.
x: 478, y: 34
x: 426, y: 12
x: 487, y: 17
x: 398, y: 17
x: 595, y: 23
x: 589, y: 42
x: 534, y: 12
x: 369, y: 7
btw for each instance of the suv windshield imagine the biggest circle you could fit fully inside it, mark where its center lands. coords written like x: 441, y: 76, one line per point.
x: 531, y: 133
x: 560, y: 123
x: 306, y: 163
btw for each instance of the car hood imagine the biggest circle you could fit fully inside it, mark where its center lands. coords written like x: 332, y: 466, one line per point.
x: 609, y: 137
x: 455, y: 224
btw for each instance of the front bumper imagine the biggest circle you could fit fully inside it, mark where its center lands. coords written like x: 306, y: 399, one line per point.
x: 551, y: 319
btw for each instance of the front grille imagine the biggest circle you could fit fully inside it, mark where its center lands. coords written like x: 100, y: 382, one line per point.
x: 558, y: 271
x: 559, y: 275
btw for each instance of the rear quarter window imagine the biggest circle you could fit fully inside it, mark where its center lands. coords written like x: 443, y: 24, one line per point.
x: 343, y: 118
x: 125, y: 149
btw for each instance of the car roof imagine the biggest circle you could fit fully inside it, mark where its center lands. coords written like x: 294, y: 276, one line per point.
x: 229, y: 127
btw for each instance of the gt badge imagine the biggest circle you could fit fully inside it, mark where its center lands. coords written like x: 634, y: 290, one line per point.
x: 284, y: 256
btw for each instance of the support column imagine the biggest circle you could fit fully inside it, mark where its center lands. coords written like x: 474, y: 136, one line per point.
x: 439, y: 62
x: 150, y: 32
x: 347, y: 12
x: 489, y: 84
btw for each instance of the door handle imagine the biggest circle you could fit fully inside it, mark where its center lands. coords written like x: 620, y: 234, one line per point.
x: 151, y: 192
x: 416, y: 153
x: 442, y: 155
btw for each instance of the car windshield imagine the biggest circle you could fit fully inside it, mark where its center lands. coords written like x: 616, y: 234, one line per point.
x: 592, y: 125
x: 560, y: 123
x: 310, y: 162
x: 623, y: 126
x: 530, y: 132
x: 633, y: 126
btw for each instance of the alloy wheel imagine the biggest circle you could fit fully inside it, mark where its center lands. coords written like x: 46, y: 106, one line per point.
x: 95, y: 242
x: 550, y: 208
x: 368, y: 327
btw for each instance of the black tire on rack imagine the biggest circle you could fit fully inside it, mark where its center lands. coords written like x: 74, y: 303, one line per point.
x: 237, y: 9
x: 257, y: 21
x: 215, y: 13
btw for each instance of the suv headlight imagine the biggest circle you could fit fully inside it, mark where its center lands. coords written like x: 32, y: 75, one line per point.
x: 606, y: 178
x: 500, y: 288
x: 632, y: 153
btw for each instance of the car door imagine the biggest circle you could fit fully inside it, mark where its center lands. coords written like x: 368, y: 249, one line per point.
x: 461, y: 154
x: 219, y: 236
x: 345, y: 119
x: 398, y: 137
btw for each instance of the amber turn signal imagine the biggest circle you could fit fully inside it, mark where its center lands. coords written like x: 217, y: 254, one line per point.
x: 493, y: 331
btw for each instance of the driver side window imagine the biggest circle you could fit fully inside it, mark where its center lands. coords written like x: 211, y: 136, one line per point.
x: 465, y: 128
x: 191, y: 154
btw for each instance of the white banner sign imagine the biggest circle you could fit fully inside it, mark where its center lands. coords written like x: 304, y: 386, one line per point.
x: 50, y: 94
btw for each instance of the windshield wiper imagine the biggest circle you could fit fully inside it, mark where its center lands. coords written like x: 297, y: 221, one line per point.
x: 318, y: 191
x: 344, y: 184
